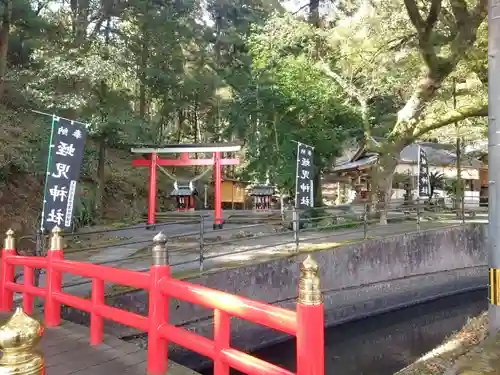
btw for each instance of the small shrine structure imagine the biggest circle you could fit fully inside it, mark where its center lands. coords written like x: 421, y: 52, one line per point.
x: 184, y: 196
x: 261, y: 197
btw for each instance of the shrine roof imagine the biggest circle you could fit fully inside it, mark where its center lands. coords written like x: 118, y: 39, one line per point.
x: 235, y: 180
x: 360, y: 164
x: 183, y: 191
x: 186, y: 147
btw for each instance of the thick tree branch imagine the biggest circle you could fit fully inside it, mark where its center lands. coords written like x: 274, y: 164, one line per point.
x: 392, y: 45
x: 479, y: 12
x: 460, y: 12
x: 439, y: 68
x: 425, y: 29
x: 452, y: 117
x: 351, y: 90
x: 434, y: 11
x: 414, y: 14
x: 467, y: 31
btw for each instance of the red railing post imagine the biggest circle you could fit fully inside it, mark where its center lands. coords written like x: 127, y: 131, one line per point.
x: 7, y: 272
x: 158, y: 308
x: 222, y: 337
x: 310, y: 321
x: 152, y: 189
x: 218, y: 222
x: 28, y: 282
x: 52, y: 313
x: 96, y: 321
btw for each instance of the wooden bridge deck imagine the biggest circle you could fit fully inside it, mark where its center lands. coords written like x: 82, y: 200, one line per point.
x: 66, y: 351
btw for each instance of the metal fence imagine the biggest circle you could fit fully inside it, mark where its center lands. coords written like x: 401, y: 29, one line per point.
x: 194, y: 246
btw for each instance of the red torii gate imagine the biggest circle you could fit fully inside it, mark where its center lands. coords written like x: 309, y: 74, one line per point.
x: 153, y: 160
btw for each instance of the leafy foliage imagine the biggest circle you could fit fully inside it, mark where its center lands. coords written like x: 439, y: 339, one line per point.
x: 436, y: 181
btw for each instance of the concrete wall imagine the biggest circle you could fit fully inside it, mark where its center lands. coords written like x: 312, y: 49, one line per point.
x: 357, y: 280
x: 471, y: 198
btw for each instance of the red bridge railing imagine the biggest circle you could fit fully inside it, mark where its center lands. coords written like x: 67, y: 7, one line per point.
x: 306, y: 323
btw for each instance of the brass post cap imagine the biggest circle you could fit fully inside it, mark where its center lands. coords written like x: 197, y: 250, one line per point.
x: 160, y: 238
x: 20, y: 332
x: 9, y: 240
x: 56, y: 230
x: 309, y: 283
x: 56, y: 241
x: 309, y: 264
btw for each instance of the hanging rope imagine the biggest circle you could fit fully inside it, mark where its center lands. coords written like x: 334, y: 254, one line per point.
x: 203, y: 174
x: 165, y: 172
x: 173, y: 178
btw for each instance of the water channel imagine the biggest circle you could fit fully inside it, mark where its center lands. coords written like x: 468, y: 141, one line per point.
x: 384, y: 344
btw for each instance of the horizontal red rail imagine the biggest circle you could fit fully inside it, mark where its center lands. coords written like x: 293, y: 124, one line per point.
x: 251, y: 365
x: 73, y: 301
x: 180, y: 162
x: 126, y: 318
x: 18, y: 260
x: 256, y: 312
x: 29, y: 289
x: 139, y: 280
x: 188, y: 340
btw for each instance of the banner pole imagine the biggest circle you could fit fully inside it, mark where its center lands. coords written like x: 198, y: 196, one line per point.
x: 47, y: 171
x: 418, y: 187
x: 418, y: 171
x: 295, y: 217
x: 64, y: 118
x: 297, y: 173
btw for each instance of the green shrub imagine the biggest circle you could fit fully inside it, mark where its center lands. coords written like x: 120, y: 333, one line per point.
x: 84, y: 214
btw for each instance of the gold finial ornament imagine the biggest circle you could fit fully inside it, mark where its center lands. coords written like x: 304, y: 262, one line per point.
x: 309, y: 289
x: 56, y: 241
x: 9, y: 242
x: 19, y: 337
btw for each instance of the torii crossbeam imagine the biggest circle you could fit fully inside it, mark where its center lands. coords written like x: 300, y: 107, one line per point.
x: 153, y: 160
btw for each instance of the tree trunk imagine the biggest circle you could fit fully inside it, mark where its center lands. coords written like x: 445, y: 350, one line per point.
x: 318, y: 189
x: 80, y: 20
x: 143, y: 104
x: 101, y: 177
x: 4, y: 44
x: 383, y: 176
x: 314, y: 12
x: 218, y: 66
x: 180, y: 128
x: 196, y: 131
x: 460, y: 187
x: 101, y: 163
x: 180, y: 125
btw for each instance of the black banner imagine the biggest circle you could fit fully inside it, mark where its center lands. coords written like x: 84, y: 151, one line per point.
x: 424, y: 188
x: 304, y: 188
x: 63, y: 170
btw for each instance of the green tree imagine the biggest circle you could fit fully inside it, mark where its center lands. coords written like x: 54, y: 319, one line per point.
x: 289, y: 101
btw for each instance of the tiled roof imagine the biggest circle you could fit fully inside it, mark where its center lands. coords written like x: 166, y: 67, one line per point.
x: 437, y: 154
